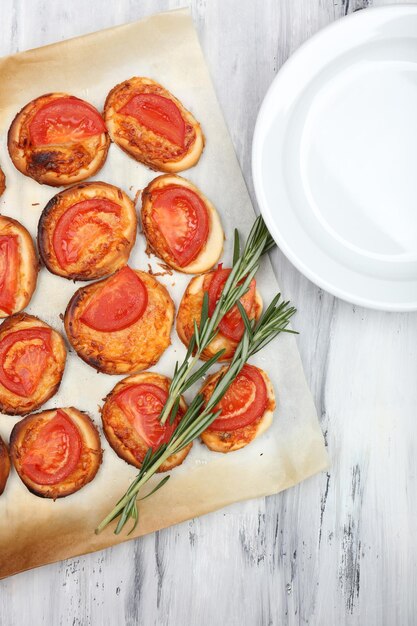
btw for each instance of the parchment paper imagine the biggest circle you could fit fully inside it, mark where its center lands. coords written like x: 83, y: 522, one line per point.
x: 34, y: 531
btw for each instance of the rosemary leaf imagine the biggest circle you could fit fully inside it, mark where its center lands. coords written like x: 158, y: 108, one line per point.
x: 236, y: 247
x: 204, y: 310
x: 135, y: 516
x: 158, y: 486
x: 203, y: 369
x: 248, y: 323
x: 197, y: 335
x: 175, y: 410
x: 126, y: 514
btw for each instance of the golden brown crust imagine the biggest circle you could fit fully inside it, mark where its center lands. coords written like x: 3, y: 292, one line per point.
x: 2, y: 182
x: 54, y: 165
x: 229, y: 441
x: 49, y: 382
x: 109, y: 251
x: 28, y: 263
x: 89, y: 462
x: 4, y: 465
x: 212, y: 249
x: 140, y: 142
x: 131, y: 349
x: 190, y: 310
x: 122, y: 436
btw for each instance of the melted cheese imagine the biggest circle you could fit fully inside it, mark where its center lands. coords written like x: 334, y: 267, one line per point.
x: 88, y: 465
x: 229, y: 441
x: 212, y: 249
x: 51, y: 378
x: 127, y: 134
x: 128, y: 350
x: 190, y: 310
x: 124, y: 439
x: 106, y: 260
x: 54, y: 165
x: 28, y: 263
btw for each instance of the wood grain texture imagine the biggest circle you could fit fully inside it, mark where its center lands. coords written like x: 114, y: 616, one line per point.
x: 338, y: 549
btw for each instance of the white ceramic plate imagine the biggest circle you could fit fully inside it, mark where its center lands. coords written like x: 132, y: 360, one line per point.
x: 335, y: 158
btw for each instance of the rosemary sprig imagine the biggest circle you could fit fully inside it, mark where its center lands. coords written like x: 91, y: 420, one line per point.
x: 244, y: 268
x: 198, y: 417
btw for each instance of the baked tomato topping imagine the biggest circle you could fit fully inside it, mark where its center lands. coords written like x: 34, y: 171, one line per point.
x: 183, y: 221
x: 9, y: 267
x: 53, y: 452
x: 65, y: 120
x: 24, y: 357
x: 232, y: 324
x: 244, y: 402
x: 161, y: 115
x: 118, y: 304
x: 82, y: 227
x: 142, y: 404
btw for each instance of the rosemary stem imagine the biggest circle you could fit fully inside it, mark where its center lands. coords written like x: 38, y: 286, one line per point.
x: 176, y: 389
x: 201, y: 414
x: 118, y: 508
x: 243, y: 270
x: 132, y: 493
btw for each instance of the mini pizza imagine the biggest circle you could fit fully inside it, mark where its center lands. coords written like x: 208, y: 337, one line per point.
x: 18, y: 267
x: 181, y: 225
x: 87, y: 231
x: 131, y: 419
x: 4, y: 465
x: 58, y: 139
x: 246, y: 409
x: 121, y: 324
x: 152, y: 126
x: 56, y: 452
x: 231, y: 327
x: 32, y: 361
x: 2, y: 182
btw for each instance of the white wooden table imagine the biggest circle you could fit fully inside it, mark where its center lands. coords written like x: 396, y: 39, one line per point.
x: 340, y: 548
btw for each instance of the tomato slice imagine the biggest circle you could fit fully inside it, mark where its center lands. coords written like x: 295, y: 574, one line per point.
x: 182, y: 218
x: 118, y: 304
x: 244, y: 402
x: 65, y: 120
x: 142, y: 404
x: 232, y: 324
x: 55, y: 451
x: 9, y: 268
x: 24, y: 357
x: 161, y: 115
x: 80, y: 227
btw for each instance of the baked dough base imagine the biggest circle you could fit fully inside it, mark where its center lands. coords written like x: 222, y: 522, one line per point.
x: 89, y: 462
x: 112, y: 254
x: 190, y: 310
x: 228, y: 441
x: 49, y: 383
x: 131, y: 349
x: 122, y: 437
x: 212, y: 249
x: 54, y: 165
x: 141, y: 143
x: 4, y: 465
x: 28, y: 263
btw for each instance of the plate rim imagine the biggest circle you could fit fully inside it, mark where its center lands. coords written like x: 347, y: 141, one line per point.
x: 257, y: 144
